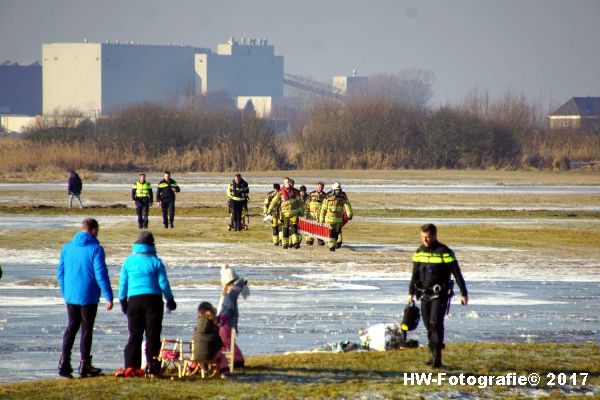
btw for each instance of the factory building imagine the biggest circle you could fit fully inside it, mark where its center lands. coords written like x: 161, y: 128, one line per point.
x: 20, y: 89
x: 99, y: 78
x: 350, y: 86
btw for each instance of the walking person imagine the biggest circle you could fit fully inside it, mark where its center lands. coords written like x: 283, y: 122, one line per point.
x: 141, y: 195
x: 74, y: 187
x: 274, y: 214
x: 433, y: 265
x: 290, y: 206
x: 237, y: 192
x: 313, y: 209
x: 82, y: 275
x: 332, y: 213
x: 142, y: 284
x: 165, y: 198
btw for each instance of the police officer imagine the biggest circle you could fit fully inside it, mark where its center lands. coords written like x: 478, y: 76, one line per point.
x: 141, y: 195
x: 165, y: 198
x: 275, y: 217
x: 433, y: 263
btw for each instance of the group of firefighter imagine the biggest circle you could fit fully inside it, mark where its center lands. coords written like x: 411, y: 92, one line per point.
x: 284, y: 206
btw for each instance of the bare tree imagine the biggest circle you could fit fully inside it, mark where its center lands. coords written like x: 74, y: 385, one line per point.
x: 412, y: 86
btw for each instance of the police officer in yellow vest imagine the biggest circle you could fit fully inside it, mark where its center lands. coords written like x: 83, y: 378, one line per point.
x: 433, y: 263
x: 274, y: 213
x: 141, y: 195
x: 332, y: 213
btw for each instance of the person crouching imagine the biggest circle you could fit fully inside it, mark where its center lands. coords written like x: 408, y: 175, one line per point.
x: 207, y: 342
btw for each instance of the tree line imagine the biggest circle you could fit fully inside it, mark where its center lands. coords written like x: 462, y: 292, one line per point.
x: 374, y: 131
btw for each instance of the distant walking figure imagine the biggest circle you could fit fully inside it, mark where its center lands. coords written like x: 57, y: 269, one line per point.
x: 75, y: 187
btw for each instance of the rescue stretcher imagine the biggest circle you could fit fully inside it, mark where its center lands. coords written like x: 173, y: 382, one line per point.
x: 314, y: 229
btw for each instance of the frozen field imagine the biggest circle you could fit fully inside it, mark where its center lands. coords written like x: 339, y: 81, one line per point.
x: 309, y: 306
x: 308, y: 300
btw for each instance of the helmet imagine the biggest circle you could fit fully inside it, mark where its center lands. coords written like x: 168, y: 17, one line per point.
x: 412, y: 315
x: 336, y: 186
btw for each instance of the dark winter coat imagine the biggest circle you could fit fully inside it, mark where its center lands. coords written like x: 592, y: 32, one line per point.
x: 75, y: 184
x: 207, y: 341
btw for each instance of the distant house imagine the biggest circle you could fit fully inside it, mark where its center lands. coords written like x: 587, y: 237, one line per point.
x: 579, y: 113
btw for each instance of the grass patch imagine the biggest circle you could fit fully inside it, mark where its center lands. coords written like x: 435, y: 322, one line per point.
x: 350, y: 375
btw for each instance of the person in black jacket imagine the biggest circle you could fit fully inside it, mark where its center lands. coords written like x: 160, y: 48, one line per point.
x: 165, y: 198
x: 74, y: 189
x: 433, y: 265
x: 207, y: 342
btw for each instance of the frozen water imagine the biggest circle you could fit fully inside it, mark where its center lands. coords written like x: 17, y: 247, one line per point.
x: 316, y: 307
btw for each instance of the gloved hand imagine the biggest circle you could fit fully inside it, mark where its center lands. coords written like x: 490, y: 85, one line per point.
x: 123, y: 305
x: 350, y: 218
x: 171, y: 305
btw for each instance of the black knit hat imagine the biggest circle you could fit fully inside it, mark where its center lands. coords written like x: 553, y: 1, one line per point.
x: 145, y: 237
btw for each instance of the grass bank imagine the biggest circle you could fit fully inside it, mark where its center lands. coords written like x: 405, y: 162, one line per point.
x: 351, y: 375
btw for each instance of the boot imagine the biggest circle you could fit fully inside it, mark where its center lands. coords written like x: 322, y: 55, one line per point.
x: 430, y: 360
x: 64, y: 367
x: 171, y: 225
x: 338, y: 245
x: 87, y: 369
x: 436, y: 352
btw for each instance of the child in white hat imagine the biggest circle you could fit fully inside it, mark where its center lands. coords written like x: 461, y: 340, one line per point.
x: 227, y: 310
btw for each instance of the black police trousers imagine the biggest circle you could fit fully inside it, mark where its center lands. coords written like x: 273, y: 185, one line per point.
x: 168, y: 210
x: 84, y: 317
x: 142, y: 206
x: 433, y: 311
x: 144, y: 314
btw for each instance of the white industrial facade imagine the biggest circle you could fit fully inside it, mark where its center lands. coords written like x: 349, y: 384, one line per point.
x: 351, y: 86
x: 98, y: 78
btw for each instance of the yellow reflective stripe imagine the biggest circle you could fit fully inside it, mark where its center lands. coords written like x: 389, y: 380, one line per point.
x: 163, y: 185
x: 433, y: 258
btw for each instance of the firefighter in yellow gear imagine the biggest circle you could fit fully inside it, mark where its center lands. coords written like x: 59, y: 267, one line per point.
x: 332, y: 214
x: 274, y: 213
x: 312, y: 209
x: 290, y: 206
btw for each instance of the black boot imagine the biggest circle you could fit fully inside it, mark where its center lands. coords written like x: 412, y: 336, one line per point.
x: 87, y: 369
x: 437, y: 357
x: 64, y: 367
x: 430, y: 361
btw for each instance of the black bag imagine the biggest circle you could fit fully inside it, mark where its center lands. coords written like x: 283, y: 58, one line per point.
x: 412, y: 315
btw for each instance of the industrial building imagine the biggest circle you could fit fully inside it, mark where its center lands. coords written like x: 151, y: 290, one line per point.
x: 99, y: 78
x: 20, y: 89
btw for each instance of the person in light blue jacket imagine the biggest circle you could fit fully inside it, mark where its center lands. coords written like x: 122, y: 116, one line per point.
x: 142, y: 284
x: 81, y: 275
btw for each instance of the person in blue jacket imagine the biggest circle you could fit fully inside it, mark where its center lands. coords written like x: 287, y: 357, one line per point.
x: 81, y: 275
x: 142, y: 284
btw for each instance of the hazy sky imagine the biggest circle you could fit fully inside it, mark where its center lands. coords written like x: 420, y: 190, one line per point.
x: 544, y: 48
